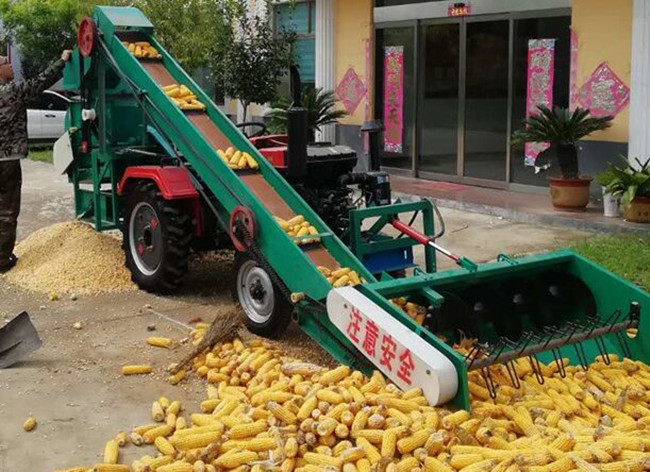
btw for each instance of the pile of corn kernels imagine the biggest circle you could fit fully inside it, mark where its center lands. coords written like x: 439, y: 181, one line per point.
x: 264, y: 412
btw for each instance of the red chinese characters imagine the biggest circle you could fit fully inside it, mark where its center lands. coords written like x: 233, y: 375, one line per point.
x: 406, y: 366
x: 354, y: 325
x: 370, y: 339
x: 388, y: 348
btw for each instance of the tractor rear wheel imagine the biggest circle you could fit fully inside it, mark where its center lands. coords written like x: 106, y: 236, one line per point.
x: 267, y: 311
x: 157, y: 237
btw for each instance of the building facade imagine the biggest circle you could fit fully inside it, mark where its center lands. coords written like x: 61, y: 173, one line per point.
x: 452, y: 80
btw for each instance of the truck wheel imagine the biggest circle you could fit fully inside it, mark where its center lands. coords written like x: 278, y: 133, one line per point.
x: 267, y: 312
x: 157, y: 237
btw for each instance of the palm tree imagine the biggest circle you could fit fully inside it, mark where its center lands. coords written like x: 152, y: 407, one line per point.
x: 320, y: 106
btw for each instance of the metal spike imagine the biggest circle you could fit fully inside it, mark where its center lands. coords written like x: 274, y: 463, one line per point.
x: 537, y: 368
x: 489, y: 382
x: 512, y: 373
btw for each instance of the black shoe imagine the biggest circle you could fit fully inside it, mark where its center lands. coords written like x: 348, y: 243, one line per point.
x: 8, y: 264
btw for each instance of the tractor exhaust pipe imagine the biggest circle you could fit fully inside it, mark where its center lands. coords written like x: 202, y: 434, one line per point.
x: 296, y: 130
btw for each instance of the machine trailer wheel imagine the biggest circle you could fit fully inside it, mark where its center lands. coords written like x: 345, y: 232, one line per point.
x: 157, y: 236
x: 267, y: 312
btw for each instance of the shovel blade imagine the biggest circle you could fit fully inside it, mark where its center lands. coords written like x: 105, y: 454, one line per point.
x: 17, y: 339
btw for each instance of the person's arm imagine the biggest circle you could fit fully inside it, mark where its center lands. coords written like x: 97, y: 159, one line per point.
x: 32, y: 88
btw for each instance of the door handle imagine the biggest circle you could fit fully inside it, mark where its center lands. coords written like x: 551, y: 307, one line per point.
x: 50, y: 116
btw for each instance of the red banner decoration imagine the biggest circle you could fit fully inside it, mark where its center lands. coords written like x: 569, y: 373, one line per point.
x: 604, y: 93
x: 541, y: 62
x: 350, y: 91
x: 393, y: 98
x: 573, y: 77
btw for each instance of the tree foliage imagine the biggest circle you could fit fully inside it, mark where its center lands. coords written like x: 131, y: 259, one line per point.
x: 255, y: 60
x: 42, y: 28
x: 193, y: 31
x: 321, y: 110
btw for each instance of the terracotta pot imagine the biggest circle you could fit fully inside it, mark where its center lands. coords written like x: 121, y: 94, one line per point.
x: 570, y: 194
x: 639, y: 210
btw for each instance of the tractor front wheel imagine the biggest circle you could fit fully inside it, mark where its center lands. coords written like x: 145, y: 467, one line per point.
x: 157, y: 236
x: 267, y: 312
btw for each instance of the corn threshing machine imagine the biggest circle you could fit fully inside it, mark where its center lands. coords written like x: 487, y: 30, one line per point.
x: 141, y: 163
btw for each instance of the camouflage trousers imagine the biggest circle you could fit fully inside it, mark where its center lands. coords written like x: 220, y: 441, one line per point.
x: 10, y: 183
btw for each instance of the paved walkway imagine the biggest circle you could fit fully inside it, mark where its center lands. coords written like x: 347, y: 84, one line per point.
x: 516, y: 206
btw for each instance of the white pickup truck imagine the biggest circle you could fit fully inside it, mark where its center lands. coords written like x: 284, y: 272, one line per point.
x: 46, y: 117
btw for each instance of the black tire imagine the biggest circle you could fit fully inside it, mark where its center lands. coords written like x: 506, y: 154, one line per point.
x: 267, y: 312
x: 156, y: 250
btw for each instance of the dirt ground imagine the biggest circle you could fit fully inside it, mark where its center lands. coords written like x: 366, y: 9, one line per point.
x: 73, y: 385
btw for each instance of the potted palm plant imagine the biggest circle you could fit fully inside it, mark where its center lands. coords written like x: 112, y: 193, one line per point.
x: 320, y: 106
x: 632, y: 185
x: 563, y: 129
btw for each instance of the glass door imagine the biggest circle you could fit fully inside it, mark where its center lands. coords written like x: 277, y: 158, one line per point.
x: 438, y: 105
x: 486, y: 100
x: 395, y: 94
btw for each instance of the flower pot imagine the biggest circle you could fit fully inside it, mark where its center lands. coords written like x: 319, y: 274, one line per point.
x: 611, y: 204
x: 570, y: 194
x: 639, y: 210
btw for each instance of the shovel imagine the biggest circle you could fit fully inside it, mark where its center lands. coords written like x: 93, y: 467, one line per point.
x: 17, y: 339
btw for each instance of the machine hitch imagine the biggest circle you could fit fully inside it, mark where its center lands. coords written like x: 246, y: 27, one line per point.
x: 429, y: 241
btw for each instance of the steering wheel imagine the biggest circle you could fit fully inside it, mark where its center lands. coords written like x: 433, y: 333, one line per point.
x: 262, y: 128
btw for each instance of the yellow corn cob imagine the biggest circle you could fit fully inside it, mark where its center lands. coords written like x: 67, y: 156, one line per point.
x: 407, y: 464
x: 354, y: 278
x: 111, y: 468
x: 363, y: 465
x: 136, y: 369
x: 174, y: 408
x: 307, y: 407
x: 193, y: 441
x: 410, y: 443
x: 375, y: 436
x: 235, y: 459
x: 460, y: 461
x: 360, y: 420
x: 171, y: 420
x: 136, y: 439
x: 296, y: 220
x: 29, y: 424
x: 163, y: 445
x: 326, y: 426
x: 340, y: 272
x: 281, y: 413
x: 178, y: 466
x: 352, y: 454
x: 388, y: 444
x: 122, y: 439
x: 431, y: 464
x: 111, y: 452
x: 405, y: 406
x: 177, y: 377
x: 291, y: 448
x: 341, y: 281
x: 261, y: 444
x: 157, y: 412
x: 252, y: 163
x: 329, y: 396
x: 159, y: 342
x: 323, y: 460
x: 150, y: 436
x: 248, y: 430
x: 371, y: 451
x: 341, y: 431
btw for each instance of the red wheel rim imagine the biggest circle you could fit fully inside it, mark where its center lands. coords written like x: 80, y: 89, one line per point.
x: 87, y: 36
x: 242, y: 215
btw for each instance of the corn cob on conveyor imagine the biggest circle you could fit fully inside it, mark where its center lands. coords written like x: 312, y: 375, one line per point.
x: 427, y: 330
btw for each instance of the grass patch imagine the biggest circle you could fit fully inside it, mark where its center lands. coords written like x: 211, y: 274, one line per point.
x: 626, y: 255
x: 42, y: 153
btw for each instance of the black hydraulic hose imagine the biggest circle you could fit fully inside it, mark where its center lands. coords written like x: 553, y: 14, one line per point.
x: 440, y: 233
